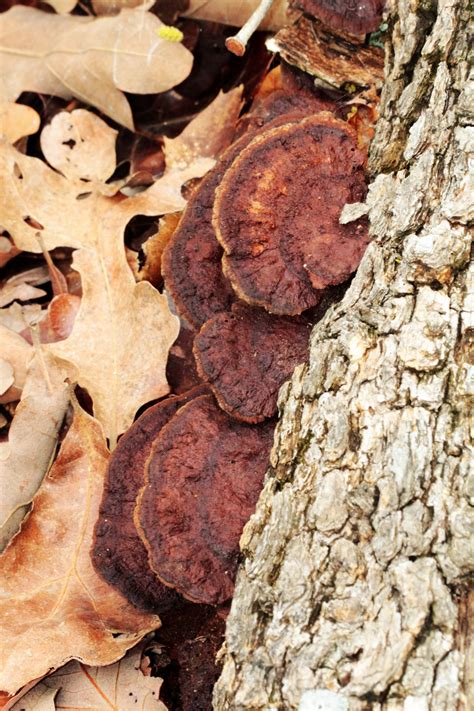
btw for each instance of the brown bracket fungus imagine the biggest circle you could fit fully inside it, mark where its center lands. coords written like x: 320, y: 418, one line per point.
x: 355, y: 18
x: 192, y: 259
x: 246, y: 356
x: 118, y: 553
x: 204, y: 477
x: 277, y: 213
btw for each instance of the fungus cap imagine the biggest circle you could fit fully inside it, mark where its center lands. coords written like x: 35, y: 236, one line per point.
x: 246, y: 356
x: 118, y: 553
x: 203, y: 480
x: 278, y: 207
x: 344, y: 15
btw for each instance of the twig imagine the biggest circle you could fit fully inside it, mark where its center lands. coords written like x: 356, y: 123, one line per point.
x: 238, y: 43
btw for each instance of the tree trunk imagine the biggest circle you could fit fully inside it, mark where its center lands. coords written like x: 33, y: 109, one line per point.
x: 353, y: 591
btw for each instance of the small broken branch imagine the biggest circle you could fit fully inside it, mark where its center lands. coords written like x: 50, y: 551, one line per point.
x: 238, y: 43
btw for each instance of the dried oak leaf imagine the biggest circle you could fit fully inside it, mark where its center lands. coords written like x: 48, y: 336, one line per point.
x: 18, y: 353
x: 277, y: 213
x: 246, y: 356
x: 80, y: 145
x: 26, y: 456
x: 17, y: 121
x: 229, y: 12
x: 93, y: 59
x: 345, y: 15
x: 118, y: 554
x: 203, y: 479
x: 78, y: 687
x: 108, y: 343
x: 192, y: 259
x: 54, y: 606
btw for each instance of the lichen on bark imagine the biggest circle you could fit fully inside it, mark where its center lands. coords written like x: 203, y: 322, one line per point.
x: 357, y: 563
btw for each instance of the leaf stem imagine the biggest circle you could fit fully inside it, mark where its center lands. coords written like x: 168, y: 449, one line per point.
x: 238, y: 42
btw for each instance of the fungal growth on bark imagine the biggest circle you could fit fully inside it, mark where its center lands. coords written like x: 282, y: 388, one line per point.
x: 277, y: 213
x: 118, y: 553
x: 192, y: 260
x: 247, y: 355
x: 203, y: 479
x: 344, y: 15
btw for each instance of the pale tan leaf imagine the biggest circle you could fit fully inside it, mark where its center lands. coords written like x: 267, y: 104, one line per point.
x: 18, y: 353
x: 234, y: 13
x: 70, y: 211
x: 16, y: 317
x: 19, y: 292
x: 25, y: 458
x: 40, y: 698
x: 208, y: 134
x: 53, y: 606
x: 119, y: 686
x: 7, y: 376
x: 121, y: 336
x: 80, y: 145
x: 113, y: 7
x: 62, y: 6
x: 93, y: 59
x: 17, y: 120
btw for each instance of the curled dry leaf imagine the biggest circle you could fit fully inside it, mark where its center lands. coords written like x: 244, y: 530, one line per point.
x: 113, y: 7
x: 120, y: 359
x: 78, y: 687
x: 229, y: 12
x: 7, y: 376
x: 80, y: 145
x: 26, y: 457
x: 93, y: 59
x: 16, y: 317
x: 18, y: 353
x: 53, y: 605
x: 17, y: 120
x: 62, y: 6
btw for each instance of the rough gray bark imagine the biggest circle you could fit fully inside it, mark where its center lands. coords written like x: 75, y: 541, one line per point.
x: 357, y: 563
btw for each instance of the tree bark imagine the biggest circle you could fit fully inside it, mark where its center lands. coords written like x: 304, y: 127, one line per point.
x: 353, y: 592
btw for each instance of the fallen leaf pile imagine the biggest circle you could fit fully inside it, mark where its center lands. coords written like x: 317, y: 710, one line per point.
x: 157, y: 287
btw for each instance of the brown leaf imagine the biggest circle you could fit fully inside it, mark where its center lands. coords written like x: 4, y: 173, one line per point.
x: 229, y: 12
x: 93, y: 59
x: 54, y: 607
x: 26, y: 457
x: 78, y: 687
x: 121, y: 336
x: 62, y: 6
x: 80, y: 145
x: 17, y: 120
x: 18, y: 353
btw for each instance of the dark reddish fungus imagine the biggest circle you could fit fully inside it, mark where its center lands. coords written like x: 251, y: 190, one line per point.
x: 181, y: 372
x: 118, y: 553
x: 185, y: 656
x: 246, y: 356
x: 203, y: 480
x: 192, y: 259
x: 277, y: 213
x: 354, y: 17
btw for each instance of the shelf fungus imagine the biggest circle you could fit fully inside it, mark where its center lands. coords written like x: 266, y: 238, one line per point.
x: 203, y: 480
x: 247, y: 355
x: 355, y: 18
x: 192, y: 259
x: 277, y: 210
x: 118, y: 553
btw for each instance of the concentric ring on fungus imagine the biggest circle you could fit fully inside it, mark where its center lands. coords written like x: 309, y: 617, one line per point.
x: 204, y: 476
x: 192, y: 259
x: 118, y: 553
x: 277, y: 213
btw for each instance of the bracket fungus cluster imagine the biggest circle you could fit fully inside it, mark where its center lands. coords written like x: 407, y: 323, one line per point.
x: 254, y: 252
